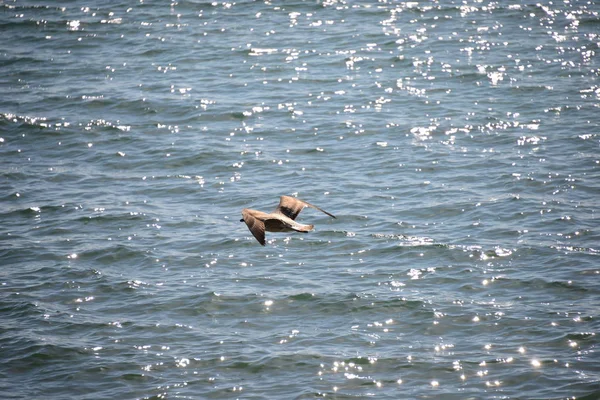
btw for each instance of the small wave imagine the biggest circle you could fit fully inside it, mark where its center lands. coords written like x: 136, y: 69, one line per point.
x: 576, y: 249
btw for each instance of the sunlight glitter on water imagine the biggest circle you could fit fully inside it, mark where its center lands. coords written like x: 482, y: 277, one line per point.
x: 456, y: 145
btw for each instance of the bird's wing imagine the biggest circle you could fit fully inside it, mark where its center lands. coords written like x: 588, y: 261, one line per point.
x: 255, y: 225
x: 291, y: 207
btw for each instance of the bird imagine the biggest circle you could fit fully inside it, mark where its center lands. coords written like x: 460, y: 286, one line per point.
x: 282, y: 219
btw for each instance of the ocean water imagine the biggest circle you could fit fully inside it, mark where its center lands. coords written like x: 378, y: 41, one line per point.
x: 457, y: 142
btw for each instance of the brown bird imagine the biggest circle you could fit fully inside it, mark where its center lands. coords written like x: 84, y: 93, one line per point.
x: 280, y: 220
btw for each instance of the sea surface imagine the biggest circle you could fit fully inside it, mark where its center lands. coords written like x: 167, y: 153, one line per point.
x: 457, y: 143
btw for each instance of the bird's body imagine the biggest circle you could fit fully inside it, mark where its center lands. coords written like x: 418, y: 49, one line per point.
x: 282, y: 219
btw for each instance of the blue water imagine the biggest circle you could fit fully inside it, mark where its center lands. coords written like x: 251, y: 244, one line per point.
x: 457, y: 142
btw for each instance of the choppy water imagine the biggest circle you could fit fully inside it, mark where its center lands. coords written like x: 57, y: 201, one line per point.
x: 456, y: 141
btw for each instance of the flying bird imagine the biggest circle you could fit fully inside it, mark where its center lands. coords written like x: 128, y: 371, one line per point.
x: 280, y: 220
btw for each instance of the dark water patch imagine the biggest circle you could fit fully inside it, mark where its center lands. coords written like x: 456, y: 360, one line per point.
x: 29, y: 252
x: 302, y: 297
x: 14, y: 307
x: 41, y: 356
x: 103, y: 218
x: 590, y: 394
x: 113, y: 254
x: 359, y: 305
x: 544, y: 285
x: 270, y: 363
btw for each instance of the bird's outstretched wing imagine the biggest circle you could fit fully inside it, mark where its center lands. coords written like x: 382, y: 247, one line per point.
x: 291, y: 207
x: 256, y: 226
